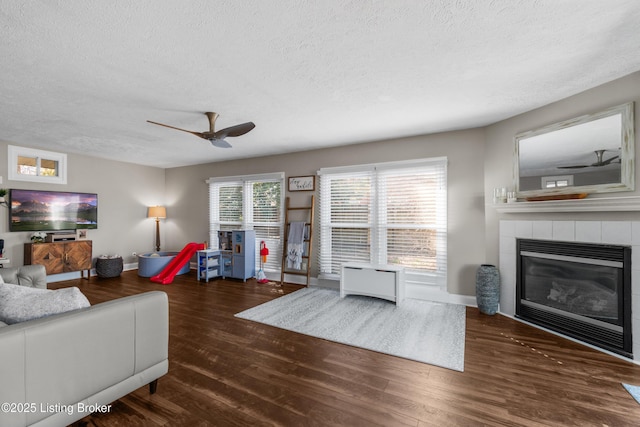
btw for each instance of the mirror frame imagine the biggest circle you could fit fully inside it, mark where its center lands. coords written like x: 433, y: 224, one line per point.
x: 627, y: 154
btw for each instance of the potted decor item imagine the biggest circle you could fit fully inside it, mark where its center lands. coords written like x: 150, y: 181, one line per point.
x: 488, y: 288
x: 3, y: 193
x: 38, y: 237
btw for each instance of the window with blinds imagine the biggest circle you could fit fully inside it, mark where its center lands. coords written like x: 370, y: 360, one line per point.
x: 387, y: 213
x: 251, y: 202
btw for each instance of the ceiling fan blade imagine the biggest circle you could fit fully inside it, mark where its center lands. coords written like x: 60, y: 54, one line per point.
x: 217, y: 139
x: 183, y: 130
x: 599, y: 161
x: 236, y: 130
x: 606, y: 162
x: 220, y: 143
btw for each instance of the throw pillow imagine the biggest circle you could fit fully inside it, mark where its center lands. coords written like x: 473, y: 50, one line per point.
x: 22, y: 303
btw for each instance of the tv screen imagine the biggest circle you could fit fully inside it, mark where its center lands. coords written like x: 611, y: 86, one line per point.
x: 34, y: 210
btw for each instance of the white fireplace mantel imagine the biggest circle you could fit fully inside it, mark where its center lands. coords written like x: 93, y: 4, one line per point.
x: 599, y: 204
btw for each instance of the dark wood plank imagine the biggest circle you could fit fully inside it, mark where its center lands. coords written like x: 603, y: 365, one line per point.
x: 229, y: 371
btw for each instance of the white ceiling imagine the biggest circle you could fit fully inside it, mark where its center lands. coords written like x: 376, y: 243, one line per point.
x: 83, y: 76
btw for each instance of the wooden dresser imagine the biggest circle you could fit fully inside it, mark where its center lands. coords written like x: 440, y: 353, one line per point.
x: 60, y: 257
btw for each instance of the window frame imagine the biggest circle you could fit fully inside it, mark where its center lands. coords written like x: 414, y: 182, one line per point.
x: 15, y: 152
x: 247, y: 220
x: 378, y: 224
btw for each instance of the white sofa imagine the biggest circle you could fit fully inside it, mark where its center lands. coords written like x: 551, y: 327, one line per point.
x: 58, y: 369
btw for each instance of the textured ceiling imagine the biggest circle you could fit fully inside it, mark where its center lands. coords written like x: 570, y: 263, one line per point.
x: 83, y: 76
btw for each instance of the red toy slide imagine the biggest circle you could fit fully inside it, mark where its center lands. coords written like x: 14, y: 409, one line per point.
x: 166, y: 276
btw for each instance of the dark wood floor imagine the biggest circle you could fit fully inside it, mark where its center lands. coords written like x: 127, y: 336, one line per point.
x: 226, y: 371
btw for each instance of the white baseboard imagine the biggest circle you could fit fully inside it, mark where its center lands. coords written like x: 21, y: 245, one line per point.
x: 428, y: 293
x: 53, y: 278
x: 432, y: 293
x: 67, y: 276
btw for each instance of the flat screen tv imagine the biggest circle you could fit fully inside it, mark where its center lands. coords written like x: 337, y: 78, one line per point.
x: 35, y: 210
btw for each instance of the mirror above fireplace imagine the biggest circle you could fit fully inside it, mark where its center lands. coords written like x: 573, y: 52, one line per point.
x: 593, y: 153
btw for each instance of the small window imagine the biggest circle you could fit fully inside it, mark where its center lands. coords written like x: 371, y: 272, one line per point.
x: 28, y: 164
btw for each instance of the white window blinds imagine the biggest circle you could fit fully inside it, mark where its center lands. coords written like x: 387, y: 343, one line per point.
x: 387, y: 213
x: 251, y: 202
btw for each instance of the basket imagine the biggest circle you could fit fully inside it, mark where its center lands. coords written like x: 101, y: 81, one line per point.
x: 109, y: 267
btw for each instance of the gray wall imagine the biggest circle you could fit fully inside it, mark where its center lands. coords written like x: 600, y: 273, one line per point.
x: 479, y: 160
x: 124, y: 192
x: 499, y: 148
x: 187, y: 192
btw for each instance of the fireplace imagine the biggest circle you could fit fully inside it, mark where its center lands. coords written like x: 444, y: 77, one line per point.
x: 581, y: 290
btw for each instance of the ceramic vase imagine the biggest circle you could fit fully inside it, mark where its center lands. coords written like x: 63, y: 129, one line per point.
x: 488, y: 288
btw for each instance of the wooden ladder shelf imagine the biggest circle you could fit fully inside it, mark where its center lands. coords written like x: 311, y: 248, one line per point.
x: 308, y: 239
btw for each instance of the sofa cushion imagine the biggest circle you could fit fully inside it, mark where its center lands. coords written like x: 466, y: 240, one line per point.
x: 21, y: 303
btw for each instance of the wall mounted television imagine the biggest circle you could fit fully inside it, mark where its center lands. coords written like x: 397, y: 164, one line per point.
x: 36, y: 210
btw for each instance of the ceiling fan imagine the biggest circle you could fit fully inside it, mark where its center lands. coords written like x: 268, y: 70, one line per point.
x: 599, y: 162
x: 217, y: 138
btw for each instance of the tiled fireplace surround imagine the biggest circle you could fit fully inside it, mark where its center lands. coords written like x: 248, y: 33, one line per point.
x: 607, y: 232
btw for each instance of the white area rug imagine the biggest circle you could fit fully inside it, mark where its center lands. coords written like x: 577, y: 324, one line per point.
x: 428, y: 332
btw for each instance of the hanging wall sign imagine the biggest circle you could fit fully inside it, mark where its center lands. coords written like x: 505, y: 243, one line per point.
x: 302, y: 183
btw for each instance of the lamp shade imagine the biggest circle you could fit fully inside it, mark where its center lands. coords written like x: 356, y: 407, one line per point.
x: 157, y: 212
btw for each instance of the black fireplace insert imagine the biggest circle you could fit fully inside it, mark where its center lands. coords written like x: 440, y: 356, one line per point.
x: 582, y: 290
